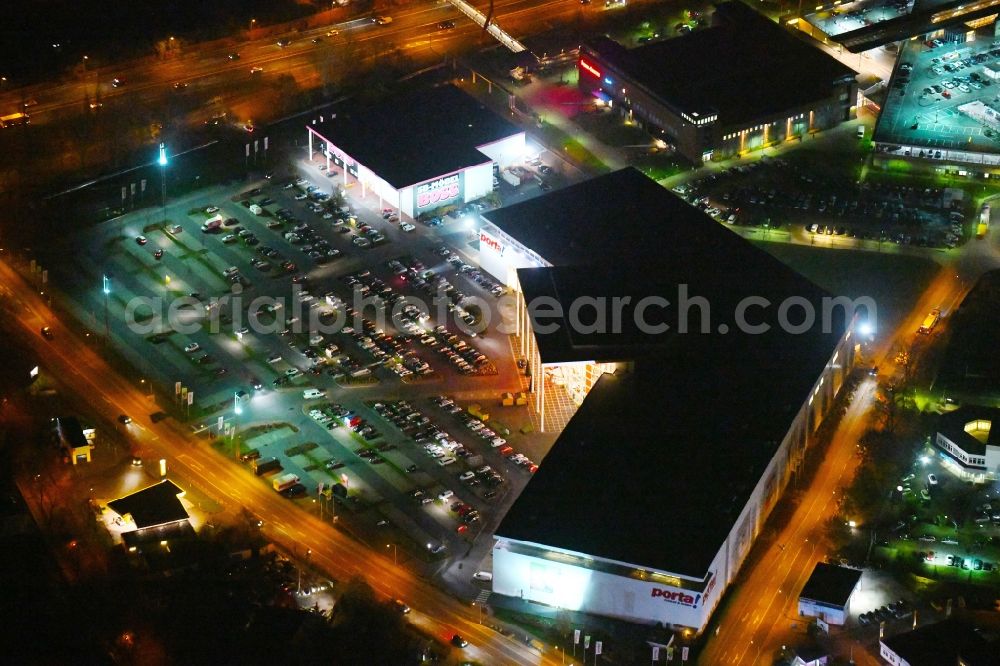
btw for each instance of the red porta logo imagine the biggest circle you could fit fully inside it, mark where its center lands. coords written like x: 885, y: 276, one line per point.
x: 676, y: 597
x: 491, y: 243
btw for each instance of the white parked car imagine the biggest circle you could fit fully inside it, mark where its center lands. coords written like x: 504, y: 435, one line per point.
x: 316, y: 340
x: 445, y: 494
x: 192, y: 347
x: 485, y: 576
x: 406, y: 226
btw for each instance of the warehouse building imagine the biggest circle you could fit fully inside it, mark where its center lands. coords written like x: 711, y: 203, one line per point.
x: 671, y: 457
x: 419, y: 151
x: 742, y: 84
x: 827, y: 594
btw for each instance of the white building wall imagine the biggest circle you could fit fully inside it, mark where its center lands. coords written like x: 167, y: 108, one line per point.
x: 373, y: 184
x: 828, y: 614
x: 478, y: 181
x: 563, y: 585
x: 406, y: 201
x: 505, y: 152
x: 501, y: 256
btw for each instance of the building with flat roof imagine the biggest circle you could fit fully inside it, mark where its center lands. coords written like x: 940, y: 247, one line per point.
x: 865, y: 24
x: 948, y: 643
x: 827, y: 593
x: 745, y: 83
x: 155, y: 507
x: 673, y: 446
x: 76, y: 442
x: 421, y: 150
x: 941, y: 110
x: 969, y: 439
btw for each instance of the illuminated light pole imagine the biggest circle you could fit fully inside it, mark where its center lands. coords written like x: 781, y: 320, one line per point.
x: 253, y: 22
x: 107, y: 292
x: 237, y: 410
x: 395, y: 558
x: 84, y: 63
x: 162, y: 161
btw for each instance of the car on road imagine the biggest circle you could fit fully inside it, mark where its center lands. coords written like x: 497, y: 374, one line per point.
x: 382, y: 20
x: 400, y: 606
x: 931, y: 479
x: 458, y: 641
x: 283, y: 42
x: 117, y: 83
x: 446, y: 25
x: 292, y: 372
x: 158, y: 255
x: 46, y: 332
x: 256, y: 69
x: 234, y: 56
x: 192, y: 347
x: 484, y: 576
x: 141, y: 240
x: 274, y: 358
x: 925, y: 495
x: 406, y: 226
x: 124, y: 419
x: 180, y: 85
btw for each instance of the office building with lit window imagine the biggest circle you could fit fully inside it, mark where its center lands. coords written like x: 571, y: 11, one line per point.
x: 680, y: 440
x: 969, y: 444
x: 742, y: 84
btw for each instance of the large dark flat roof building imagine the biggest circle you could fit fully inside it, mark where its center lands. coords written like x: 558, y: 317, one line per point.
x: 654, y: 491
x: 743, y: 83
x: 948, y: 643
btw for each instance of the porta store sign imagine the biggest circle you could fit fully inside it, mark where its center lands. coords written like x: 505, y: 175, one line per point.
x: 676, y: 597
x: 438, y: 192
x: 485, y: 240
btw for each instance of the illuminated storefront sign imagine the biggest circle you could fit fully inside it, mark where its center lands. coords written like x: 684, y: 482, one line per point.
x: 676, y: 597
x: 438, y: 192
x: 586, y: 66
x: 487, y: 241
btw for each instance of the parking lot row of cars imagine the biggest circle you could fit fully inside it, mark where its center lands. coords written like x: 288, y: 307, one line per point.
x: 896, y: 610
x: 772, y: 192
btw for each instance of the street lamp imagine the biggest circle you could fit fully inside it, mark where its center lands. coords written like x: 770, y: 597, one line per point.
x: 84, y: 63
x: 107, y: 291
x: 395, y: 559
x: 162, y: 161
x: 253, y: 22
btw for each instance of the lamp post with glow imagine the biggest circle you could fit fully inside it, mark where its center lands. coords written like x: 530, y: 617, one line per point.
x: 162, y: 161
x: 106, y: 288
x: 237, y: 410
x: 395, y: 554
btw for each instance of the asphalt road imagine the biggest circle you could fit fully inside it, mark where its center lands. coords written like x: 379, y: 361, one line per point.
x: 206, y: 68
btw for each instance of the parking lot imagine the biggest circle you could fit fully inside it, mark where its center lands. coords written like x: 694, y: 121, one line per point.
x: 809, y: 200
x: 273, y: 287
x: 856, y: 15
x: 941, y: 102
x: 947, y: 530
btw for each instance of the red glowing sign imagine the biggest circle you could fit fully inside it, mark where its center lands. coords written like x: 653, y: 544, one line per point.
x: 590, y: 68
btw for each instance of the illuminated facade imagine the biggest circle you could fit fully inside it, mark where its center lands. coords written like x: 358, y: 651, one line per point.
x: 732, y: 95
x: 414, y: 157
x: 969, y: 441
